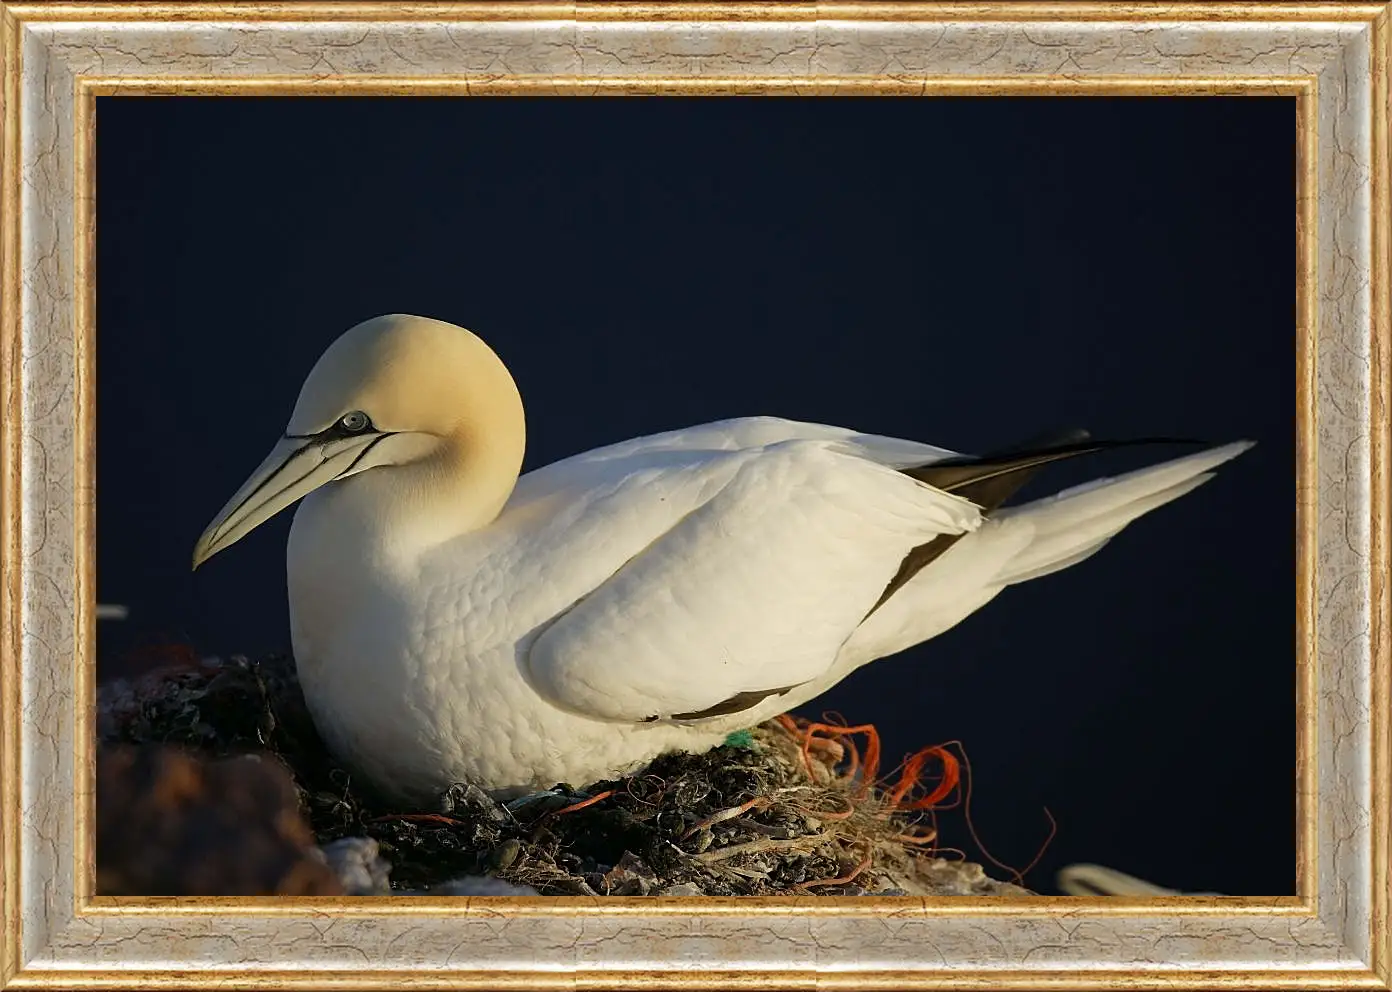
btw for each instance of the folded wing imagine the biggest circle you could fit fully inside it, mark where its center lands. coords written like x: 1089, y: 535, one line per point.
x: 749, y: 593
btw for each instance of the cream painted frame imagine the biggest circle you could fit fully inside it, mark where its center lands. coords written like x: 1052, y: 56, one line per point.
x: 1333, y: 58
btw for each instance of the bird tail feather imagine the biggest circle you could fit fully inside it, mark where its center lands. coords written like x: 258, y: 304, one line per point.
x: 1075, y: 523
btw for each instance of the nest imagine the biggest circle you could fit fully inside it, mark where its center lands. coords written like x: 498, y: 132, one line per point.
x: 787, y: 808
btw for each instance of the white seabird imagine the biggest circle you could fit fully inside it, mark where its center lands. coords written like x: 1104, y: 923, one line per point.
x: 452, y: 622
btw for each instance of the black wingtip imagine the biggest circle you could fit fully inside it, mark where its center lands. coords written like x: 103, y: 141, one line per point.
x: 989, y: 480
x: 1061, y: 443
x: 1045, y: 441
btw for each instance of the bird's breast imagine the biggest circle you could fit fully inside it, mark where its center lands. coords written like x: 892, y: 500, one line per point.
x: 413, y: 659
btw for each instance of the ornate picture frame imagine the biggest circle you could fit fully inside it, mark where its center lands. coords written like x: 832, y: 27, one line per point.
x: 1332, y: 58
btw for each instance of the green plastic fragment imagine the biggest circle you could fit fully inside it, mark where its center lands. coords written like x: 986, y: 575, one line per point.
x: 742, y: 739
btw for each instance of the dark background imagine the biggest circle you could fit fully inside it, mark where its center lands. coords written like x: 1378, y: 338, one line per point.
x: 967, y: 272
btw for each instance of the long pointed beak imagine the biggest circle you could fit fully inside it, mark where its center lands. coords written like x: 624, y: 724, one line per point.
x: 294, y: 468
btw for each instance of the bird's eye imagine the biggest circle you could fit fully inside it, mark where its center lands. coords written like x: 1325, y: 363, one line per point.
x: 354, y: 422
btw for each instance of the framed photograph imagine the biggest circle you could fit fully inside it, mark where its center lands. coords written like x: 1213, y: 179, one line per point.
x: 1133, y: 257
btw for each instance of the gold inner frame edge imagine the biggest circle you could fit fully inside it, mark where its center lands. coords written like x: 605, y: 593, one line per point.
x: 1303, y: 88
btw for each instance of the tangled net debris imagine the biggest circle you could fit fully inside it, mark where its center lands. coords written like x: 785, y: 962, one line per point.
x: 791, y: 807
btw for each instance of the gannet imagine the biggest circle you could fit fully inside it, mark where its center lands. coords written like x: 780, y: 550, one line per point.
x: 454, y: 623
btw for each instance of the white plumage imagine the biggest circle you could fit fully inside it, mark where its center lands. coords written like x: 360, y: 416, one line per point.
x: 452, y: 622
